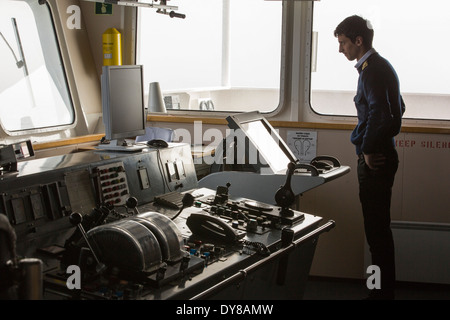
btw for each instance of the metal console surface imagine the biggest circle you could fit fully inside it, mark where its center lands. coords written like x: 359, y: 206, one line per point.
x: 278, y: 268
x: 39, y: 198
x: 137, y: 226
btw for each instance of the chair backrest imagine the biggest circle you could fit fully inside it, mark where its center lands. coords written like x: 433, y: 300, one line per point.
x: 151, y: 133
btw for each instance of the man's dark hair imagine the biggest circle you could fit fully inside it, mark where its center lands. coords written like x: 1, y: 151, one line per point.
x: 356, y: 26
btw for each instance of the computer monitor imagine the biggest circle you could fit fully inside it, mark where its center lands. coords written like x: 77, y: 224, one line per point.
x: 123, y: 107
x: 273, y: 152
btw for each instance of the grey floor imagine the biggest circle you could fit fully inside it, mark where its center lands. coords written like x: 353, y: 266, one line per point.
x: 322, y: 288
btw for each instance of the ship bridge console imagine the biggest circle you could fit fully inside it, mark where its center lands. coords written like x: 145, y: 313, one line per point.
x: 106, y: 225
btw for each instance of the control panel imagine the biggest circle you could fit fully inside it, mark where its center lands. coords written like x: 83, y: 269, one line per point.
x: 113, y: 183
x: 137, y: 226
x: 40, y: 196
x: 152, y: 250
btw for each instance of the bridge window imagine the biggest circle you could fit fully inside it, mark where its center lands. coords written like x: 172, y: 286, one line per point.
x: 224, y: 56
x: 33, y: 87
x: 410, y: 34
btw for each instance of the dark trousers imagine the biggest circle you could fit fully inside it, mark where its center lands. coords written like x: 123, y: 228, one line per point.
x: 375, y: 191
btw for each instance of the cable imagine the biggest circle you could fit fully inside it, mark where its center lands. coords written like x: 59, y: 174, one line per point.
x: 188, y: 201
x: 18, y: 63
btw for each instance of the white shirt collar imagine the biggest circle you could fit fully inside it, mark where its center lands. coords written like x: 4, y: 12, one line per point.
x: 364, y: 57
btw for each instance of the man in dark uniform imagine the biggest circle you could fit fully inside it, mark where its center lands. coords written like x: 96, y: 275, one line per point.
x: 380, y: 108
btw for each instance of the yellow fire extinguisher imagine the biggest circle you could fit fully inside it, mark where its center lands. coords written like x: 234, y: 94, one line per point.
x: 112, y: 47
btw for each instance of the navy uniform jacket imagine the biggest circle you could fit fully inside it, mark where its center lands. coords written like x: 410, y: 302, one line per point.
x: 379, y: 106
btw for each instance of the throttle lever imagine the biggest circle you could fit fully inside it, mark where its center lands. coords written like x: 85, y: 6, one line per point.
x: 75, y: 219
x: 285, y: 197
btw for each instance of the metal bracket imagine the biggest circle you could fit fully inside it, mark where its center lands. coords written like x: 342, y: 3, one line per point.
x: 136, y: 4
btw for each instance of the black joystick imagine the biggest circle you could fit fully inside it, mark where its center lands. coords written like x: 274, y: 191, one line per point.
x: 285, y: 197
x: 75, y: 219
x: 132, y: 203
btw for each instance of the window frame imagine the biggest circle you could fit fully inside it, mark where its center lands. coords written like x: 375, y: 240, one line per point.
x: 225, y: 77
x: 344, y: 118
x: 64, y: 75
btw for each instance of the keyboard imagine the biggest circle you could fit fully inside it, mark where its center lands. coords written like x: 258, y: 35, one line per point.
x: 172, y: 200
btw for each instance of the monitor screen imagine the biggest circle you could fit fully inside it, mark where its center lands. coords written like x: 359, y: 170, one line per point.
x: 123, y: 101
x: 272, y: 150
